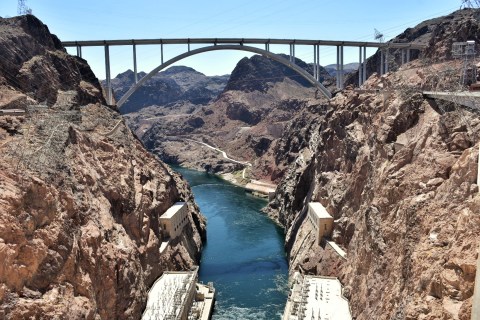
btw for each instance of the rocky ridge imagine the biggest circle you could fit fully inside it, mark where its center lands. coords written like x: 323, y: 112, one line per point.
x: 438, y: 34
x: 79, y: 195
x: 258, y: 103
x: 178, y: 87
x: 398, y: 173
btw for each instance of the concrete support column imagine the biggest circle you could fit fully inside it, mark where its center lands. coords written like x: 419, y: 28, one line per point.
x: 188, y: 45
x: 408, y: 55
x: 292, y: 53
x: 315, y: 61
x: 135, y: 62
x: 341, y: 67
x: 337, y: 74
x: 364, y: 73
x: 293, y: 50
x: 360, y: 69
x: 318, y: 62
x: 107, y: 75
x: 79, y: 51
x: 381, y: 61
x: 403, y: 56
x: 161, y: 53
x: 386, y: 60
x: 267, y: 47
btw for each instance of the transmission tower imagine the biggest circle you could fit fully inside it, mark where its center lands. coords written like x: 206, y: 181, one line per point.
x: 470, y: 4
x: 378, y: 35
x: 466, y: 51
x: 22, y: 8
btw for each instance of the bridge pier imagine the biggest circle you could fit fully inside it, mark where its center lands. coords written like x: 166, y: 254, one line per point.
x: 386, y: 60
x: 382, y: 58
x: 79, y: 51
x: 340, y: 67
x: 161, y: 52
x: 107, y: 75
x: 316, y: 61
x: 383, y: 61
x: 405, y: 55
x: 364, y: 73
x: 135, y: 62
x: 292, y: 52
x: 360, y: 68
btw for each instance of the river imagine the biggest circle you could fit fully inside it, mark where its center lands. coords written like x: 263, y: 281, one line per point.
x: 244, y: 255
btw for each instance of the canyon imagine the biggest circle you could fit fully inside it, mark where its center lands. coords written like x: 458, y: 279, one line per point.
x: 246, y: 119
x: 80, y: 196
x: 397, y: 171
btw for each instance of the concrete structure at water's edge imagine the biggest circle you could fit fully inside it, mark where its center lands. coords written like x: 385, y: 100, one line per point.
x: 174, y: 219
x: 322, y: 221
x: 260, y: 188
x: 177, y: 296
x: 316, y: 298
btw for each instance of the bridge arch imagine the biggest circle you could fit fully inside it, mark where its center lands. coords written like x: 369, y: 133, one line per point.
x: 262, y: 52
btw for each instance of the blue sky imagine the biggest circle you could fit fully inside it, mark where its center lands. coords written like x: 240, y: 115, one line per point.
x: 300, y: 19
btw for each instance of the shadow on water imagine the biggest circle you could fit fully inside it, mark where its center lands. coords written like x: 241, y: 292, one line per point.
x: 244, y: 255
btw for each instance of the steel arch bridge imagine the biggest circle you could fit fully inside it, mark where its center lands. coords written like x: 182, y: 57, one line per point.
x: 214, y: 44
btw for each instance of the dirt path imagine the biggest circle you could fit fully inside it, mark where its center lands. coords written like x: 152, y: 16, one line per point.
x: 223, y: 153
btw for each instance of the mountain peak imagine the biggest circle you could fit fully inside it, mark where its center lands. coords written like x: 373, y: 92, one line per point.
x: 259, y: 72
x: 180, y: 69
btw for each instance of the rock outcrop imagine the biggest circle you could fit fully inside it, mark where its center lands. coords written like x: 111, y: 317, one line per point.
x: 259, y: 73
x: 79, y: 195
x: 177, y: 87
x: 398, y: 173
x: 260, y: 100
x: 437, y: 34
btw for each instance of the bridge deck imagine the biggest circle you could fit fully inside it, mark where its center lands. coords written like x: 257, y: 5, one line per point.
x: 240, y: 41
x: 464, y: 98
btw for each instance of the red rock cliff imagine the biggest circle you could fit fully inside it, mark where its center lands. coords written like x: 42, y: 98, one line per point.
x: 398, y: 173
x: 79, y: 195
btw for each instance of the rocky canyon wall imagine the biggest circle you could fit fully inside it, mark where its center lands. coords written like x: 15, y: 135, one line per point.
x: 398, y: 173
x: 79, y: 195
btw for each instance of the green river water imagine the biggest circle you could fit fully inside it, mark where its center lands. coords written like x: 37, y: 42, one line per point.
x: 244, y: 254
